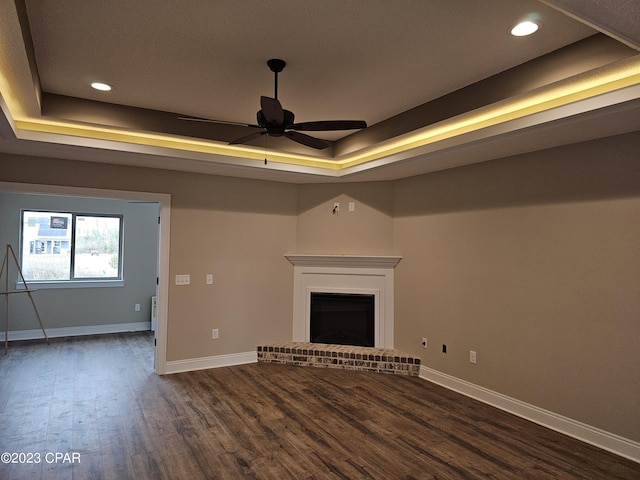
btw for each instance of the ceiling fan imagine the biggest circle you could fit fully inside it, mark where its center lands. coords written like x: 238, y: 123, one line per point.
x: 278, y: 122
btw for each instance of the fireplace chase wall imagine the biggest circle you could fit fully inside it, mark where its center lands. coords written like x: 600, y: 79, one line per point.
x: 344, y: 274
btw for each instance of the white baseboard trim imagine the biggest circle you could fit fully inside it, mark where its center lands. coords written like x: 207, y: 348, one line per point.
x: 177, y: 366
x: 77, y: 331
x: 581, y: 431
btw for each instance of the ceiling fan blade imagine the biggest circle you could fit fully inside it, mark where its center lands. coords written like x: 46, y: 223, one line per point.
x: 247, y: 138
x: 189, y: 118
x: 327, y: 125
x: 306, y: 140
x: 272, y: 110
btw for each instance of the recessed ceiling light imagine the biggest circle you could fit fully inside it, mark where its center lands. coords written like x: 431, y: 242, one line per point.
x: 524, y: 28
x: 101, y: 86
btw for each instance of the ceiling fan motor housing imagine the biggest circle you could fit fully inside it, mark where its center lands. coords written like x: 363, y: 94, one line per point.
x: 276, y: 129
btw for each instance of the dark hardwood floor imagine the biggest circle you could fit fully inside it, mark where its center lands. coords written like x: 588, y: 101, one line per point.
x: 98, y: 400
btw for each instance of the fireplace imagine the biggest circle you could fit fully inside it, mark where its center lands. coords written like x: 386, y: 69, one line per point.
x: 342, y: 319
x: 349, y: 277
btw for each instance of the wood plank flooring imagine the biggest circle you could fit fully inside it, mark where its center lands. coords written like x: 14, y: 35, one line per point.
x: 98, y: 397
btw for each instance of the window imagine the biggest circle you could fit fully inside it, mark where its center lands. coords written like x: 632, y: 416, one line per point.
x: 71, y: 247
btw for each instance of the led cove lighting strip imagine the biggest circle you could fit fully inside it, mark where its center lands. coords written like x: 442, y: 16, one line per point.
x: 605, y: 80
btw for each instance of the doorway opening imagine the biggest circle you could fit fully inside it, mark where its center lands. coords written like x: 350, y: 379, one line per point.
x: 155, y: 208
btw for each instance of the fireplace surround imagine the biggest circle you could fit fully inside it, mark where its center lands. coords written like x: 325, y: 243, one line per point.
x: 344, y: 274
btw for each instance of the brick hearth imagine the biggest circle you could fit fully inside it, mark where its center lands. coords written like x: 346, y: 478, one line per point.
x: 381, y: 360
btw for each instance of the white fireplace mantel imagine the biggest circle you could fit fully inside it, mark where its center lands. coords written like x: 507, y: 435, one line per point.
x: 364, y: 261
x: 344, y: 274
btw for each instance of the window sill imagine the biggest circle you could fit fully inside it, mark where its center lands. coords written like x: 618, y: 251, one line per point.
x: 33, y: 285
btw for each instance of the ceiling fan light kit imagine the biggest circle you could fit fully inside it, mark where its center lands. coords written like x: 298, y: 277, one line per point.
x: 278, y: 122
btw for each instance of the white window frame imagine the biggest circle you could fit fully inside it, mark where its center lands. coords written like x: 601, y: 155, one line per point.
x: 73, y: 282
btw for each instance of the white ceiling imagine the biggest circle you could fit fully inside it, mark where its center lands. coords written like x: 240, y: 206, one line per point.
x: 357, y: 59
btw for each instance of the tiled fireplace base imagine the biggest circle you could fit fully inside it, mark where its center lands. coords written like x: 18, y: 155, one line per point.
x: 381, y: 360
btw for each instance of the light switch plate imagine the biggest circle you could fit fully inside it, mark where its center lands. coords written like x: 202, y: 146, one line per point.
x: 183, y: 279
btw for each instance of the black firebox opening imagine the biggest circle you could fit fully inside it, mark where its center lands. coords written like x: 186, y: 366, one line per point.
x: 343, y: 319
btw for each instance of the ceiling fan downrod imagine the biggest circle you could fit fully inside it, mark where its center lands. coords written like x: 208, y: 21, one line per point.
x: 276, y: 65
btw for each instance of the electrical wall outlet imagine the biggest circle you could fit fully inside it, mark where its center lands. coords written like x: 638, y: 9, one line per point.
x: 209, y: 279
x: 472, y: 356
x: 215, y: 334
x: 424, y: 342
x: 136, y: 307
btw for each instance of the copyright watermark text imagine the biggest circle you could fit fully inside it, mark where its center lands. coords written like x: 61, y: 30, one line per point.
x: 38, y: 457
